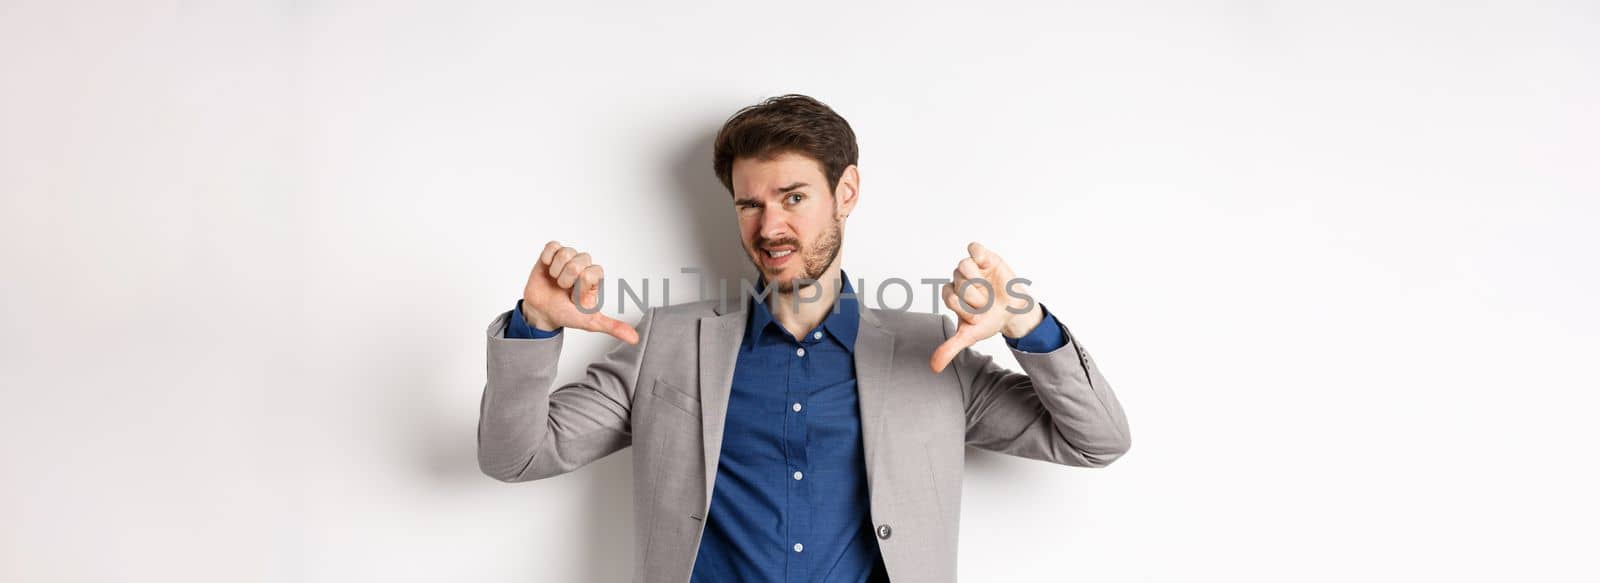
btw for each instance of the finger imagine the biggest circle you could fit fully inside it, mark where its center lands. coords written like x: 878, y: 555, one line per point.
x: 589, y: 286
x: 598, y: 322
x: 977, y: 296
x: 574, y: 268
x: 549, y: 252
x: 951, y: 347
x: 980, y: 254
x: 560, y: 259
x: 969, y: 268
x: 957, y: 279
x: 963, y: 313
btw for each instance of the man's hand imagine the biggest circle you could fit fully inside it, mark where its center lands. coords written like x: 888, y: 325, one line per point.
x: 547, y: 299
x: 975, y: 323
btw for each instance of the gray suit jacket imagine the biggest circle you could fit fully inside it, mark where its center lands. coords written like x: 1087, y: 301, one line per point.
x: 667, y: 396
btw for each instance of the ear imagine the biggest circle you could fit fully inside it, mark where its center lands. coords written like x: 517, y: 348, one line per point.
x: 848, y: 192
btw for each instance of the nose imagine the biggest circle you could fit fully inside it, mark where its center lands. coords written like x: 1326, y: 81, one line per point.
x: 774, y: 224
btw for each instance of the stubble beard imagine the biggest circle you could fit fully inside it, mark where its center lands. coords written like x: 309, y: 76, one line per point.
x: 815, y: 259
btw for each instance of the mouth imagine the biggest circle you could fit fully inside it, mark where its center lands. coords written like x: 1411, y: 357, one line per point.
x: 775, y: 257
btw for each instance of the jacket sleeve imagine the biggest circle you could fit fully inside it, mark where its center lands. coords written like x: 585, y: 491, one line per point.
x: 528, y: 432
x: 1060, y: 409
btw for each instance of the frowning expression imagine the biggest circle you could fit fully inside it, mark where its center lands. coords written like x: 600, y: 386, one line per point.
x: 790, y: 221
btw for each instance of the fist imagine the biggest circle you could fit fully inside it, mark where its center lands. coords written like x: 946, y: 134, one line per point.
x: 983, y: 310
x: 562, y: 274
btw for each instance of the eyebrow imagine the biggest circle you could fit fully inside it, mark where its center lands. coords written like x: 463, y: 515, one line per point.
x: 781, y: 190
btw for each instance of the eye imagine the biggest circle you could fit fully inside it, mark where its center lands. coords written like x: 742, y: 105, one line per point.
x: 794, y: 198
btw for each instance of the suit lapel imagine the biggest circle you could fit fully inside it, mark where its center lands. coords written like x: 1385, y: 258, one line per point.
x: 720, y: 337
x: 874, y: 354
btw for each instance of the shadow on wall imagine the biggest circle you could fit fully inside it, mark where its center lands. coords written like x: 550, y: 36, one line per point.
x: 707, y: 215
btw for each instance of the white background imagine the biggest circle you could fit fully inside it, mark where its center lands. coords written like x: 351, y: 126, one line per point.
x: 1336, y: 258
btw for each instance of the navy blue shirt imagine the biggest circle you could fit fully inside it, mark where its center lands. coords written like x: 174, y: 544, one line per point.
x: 790, y: 500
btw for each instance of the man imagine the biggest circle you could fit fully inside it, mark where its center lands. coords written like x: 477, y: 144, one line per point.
x: 780, y: 439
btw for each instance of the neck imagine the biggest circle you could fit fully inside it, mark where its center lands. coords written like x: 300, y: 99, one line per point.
x: 806, y: 307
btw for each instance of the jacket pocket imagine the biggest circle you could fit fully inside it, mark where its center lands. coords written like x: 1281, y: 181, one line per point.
x: 671, y: 395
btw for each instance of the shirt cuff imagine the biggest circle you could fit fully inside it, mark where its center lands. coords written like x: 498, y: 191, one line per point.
x: 1046, y: 337
x: 518, y: 327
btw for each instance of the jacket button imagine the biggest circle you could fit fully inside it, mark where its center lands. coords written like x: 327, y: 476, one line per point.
x: 884, y: 531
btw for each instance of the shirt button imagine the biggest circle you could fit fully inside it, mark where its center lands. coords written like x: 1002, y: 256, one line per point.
x: 817, y: 335
x: 799, y: 352
x: 798, y: 475
x: 799, y: 547
x: 884, y: 531
x: 797, y: 407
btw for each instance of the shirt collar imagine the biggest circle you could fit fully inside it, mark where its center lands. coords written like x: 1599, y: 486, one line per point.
x: 842, y: 323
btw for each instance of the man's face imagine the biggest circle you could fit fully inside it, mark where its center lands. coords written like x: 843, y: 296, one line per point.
x: 788, y: 219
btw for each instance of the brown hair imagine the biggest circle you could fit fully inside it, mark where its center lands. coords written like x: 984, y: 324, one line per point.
x: 784, y: 124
